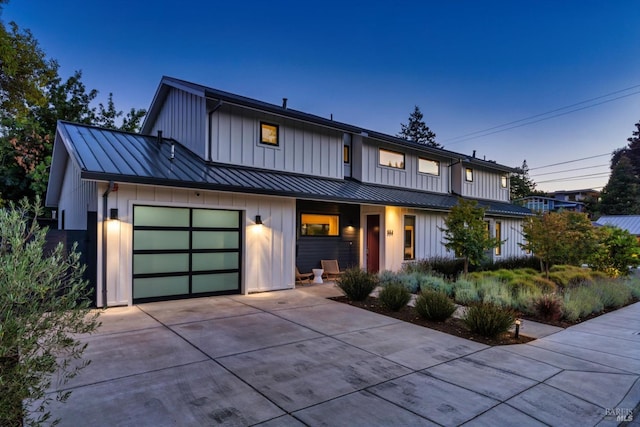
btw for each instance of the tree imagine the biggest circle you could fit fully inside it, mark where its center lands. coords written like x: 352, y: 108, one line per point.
x: 617, y: 251
x: 631, y: 151
x: 521, y: 184
x: 43, y: 304
x: 466, y: 233
x: 621, y: 195
x: 417, y: 131
x: 559, y: 238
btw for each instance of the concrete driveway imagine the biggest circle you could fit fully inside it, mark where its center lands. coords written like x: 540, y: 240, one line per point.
x: 294, y: 358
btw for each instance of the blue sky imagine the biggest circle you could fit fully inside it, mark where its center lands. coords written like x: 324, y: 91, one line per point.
x: 469, y: 65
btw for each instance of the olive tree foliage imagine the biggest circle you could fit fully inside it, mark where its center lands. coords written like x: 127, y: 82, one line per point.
x: 560, y: 238
x: 466, y: 233
x: 44, y: 303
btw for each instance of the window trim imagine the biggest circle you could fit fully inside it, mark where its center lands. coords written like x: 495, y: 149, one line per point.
x: 412, y: 244
x: 404, y: 159
x: 263, y: 137
x: 497, y: 231
x: 504, y: 181
x: 437, y: 162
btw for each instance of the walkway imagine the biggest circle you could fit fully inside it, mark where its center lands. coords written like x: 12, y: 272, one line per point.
x: 294, y: 358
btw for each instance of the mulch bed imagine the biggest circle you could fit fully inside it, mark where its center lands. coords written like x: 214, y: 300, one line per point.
x: 450, y: 326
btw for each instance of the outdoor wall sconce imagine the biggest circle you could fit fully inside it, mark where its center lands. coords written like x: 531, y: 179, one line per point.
x: 113, y: 214
x: 258, y: 220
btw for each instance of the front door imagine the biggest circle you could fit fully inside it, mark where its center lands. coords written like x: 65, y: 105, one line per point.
x: 373, y: 243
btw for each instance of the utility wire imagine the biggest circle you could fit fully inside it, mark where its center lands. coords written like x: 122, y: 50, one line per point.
x: 571, y: 161
x: 486, y: 132
x: 571, y: 170
x: 573, y: 178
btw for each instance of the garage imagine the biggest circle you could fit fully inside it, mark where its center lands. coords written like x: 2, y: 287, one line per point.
x: 181, y: 252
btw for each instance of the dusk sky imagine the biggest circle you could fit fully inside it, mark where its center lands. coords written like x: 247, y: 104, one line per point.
x: 469, y: 65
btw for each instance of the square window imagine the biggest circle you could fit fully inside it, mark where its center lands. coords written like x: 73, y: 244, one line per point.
x: 269, y: 134
x: 431, y: 167
x: 468, y: 174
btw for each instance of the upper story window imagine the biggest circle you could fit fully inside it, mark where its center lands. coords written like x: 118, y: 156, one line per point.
x: 432, y: 167
x: 391, y: 159
x: 503, y: 181
x: 269, y: 134
x: 468, y: 175
x: 345, y: 155
x: 319, y: 225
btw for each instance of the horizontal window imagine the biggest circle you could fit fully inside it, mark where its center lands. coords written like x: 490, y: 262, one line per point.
x: 391, y: 159
x: 319, y: 225
x: 432, y: 167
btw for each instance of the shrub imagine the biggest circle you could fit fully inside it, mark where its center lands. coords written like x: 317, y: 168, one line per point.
x: 434, y: 305
x: 548, y: 307
x: 633, y: 283
x: 489, y: 320
x: 465, y: 292
x: 524, y: 298
x: 545, y: 285
x: 357, y: 284
x: 435, y: 283
x: 394, y: 296
x: 612, y: 293
x: 449, y: 268
x: 411, y: 281
x: 385, y: 277
x: 513, y: 263
x: 580, y: 302
x: 495, y: 292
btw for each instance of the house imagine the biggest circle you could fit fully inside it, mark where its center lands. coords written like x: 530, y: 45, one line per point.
x: 543, y: 204
x: 631, y: 223
x: 223, y: 194
x: 576, y: 195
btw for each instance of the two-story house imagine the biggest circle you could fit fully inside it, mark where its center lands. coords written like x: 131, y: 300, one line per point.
x: 224, y: 194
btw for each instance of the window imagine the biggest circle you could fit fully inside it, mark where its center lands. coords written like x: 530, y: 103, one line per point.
x: 345, y: 154
x: 468, y: 174
x: 319, y: 225
x: 432, y: 167
x: 498, y: 249
x: 391, y: 159
x: 269, y: 134
x: 409, y: 237
x: 503, y: 181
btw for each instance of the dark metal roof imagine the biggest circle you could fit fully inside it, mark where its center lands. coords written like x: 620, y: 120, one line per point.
x: 226, y: 97
x: 108, y: 155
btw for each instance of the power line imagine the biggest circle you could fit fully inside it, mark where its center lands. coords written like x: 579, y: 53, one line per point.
x: 572, y: 170
x: 571, y: 161
x: 486, y: 132
x: 573, y: 178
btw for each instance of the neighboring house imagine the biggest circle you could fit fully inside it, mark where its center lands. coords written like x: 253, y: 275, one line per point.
x: 550, y: 204
x: 225, y: 194
x: 575, y: 195
x: 631, y: 223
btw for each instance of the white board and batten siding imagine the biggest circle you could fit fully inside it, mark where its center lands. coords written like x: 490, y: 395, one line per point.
x: 485, y: 185
x: 511, y: 234
x: 302, y: 147
x: 268, y: 251
x: 183, y: 117
x: 409, y: 177
x: 77, y: 197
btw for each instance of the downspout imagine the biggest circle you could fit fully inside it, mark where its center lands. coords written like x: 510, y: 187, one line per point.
x: 105, y: 199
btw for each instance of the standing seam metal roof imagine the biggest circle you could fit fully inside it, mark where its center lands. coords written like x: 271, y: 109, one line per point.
x: 105, y: 155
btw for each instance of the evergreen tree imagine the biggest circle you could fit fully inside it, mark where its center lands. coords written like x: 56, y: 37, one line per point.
x: 621, y: 195
x: 417, y: 131
x: 521, y: 184
x: 631, y: 151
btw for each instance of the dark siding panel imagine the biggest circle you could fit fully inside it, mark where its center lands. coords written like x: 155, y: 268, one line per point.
x: 310, y: 250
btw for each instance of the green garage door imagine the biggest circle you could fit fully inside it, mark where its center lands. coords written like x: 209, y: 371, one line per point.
x: 183, y: 252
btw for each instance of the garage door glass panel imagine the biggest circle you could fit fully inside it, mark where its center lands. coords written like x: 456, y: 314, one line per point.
x: 160, y: 263
x: 216, y: 239
x: 160, y: 286
x: 215, y: 261
x: 152, y: 216
x: 215, y: 219
x: 160, y: 239
x: 215, y: 282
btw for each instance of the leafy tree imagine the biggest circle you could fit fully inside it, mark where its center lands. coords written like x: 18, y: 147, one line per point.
x: 43, y: 304
x: 521, y: 185
x: 621, y: 195
x: 559, y: 238
x: 417, y: 131
x: 617, y: 251
x: 466, y: 233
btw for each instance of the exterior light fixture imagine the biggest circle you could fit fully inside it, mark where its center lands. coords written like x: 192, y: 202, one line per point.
x: 517, y: 334
x: 258, y: 220
x: 113, y: 213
